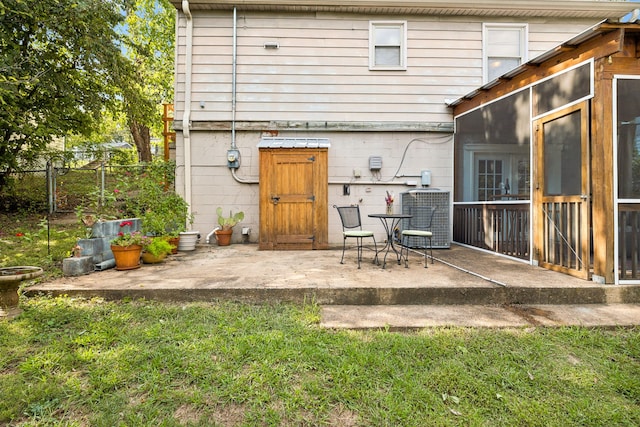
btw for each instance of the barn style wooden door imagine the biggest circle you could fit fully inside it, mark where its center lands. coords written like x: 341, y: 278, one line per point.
x: 293, y: 198
x: 562, y: 192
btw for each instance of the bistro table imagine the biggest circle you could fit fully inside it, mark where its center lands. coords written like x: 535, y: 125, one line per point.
x: 390, y: 222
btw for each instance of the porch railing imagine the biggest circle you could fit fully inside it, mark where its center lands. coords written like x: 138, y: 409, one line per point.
x: 629, y: 241
x: 498, y: 227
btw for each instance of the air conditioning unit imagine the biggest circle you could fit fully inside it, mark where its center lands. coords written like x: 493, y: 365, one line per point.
x: 440, y: 225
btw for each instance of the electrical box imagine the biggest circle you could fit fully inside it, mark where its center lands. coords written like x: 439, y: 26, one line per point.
x: 375, y: 163
x: 233, y: 159
x: 425, y: 178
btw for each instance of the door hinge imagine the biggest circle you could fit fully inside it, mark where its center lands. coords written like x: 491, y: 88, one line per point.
x: 312, y: 198
x: 312, y: 238
x: 312, y: 159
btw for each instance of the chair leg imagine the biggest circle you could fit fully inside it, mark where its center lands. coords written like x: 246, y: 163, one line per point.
x: 431, y: 249
x: 375, y: 248
x: 403, y: 247
x: 344, y: 244
x: 425, y: 252
x: 359, y: 242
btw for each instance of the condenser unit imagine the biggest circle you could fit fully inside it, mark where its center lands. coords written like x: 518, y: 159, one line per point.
x: 439, y: 226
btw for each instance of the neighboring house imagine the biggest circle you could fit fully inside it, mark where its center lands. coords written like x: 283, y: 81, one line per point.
x: 284, y: 109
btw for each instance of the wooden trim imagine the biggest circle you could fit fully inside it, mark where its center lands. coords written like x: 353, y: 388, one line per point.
x: 446, y: 127
x: 560, y: 8
x: 601, y: 46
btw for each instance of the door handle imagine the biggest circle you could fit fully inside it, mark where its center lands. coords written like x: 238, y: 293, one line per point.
x: 584, y: 196
x: 275, y: 199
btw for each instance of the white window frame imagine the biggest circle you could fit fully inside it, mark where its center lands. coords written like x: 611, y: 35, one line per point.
x: 524, y: 43
x: 402, y: 25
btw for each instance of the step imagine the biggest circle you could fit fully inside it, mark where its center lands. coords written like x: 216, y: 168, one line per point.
x: 351, y: 295
x: 411, y: 317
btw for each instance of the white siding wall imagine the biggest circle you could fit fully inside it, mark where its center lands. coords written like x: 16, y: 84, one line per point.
x: 320, y: 74
x: 213, y: 184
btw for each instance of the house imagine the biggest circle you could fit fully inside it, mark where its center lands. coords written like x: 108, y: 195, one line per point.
x: 284, y: 109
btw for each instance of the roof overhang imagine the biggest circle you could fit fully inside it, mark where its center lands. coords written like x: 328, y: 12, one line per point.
x: 598, y: 9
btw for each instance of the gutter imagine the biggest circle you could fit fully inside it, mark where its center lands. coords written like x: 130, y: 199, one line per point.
x: 186, y: 116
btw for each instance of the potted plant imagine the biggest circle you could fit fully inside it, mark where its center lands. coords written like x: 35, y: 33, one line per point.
x: 155, y: 250
x: 226, y: 223
x: 127, y: 247
x: 163, y: 212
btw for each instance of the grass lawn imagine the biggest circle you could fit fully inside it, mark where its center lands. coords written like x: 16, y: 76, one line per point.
x: 71, y: 362
x: 139, y: 363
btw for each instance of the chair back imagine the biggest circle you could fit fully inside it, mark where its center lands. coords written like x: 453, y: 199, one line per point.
x: 422, y: 217
x: 350, y: 216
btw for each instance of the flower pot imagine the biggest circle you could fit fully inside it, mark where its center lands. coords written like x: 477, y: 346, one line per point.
x: 188, y: 240
x: 127, y: 257
x: 223, y: 237
x: 149, y: 258
x: 174, y: 241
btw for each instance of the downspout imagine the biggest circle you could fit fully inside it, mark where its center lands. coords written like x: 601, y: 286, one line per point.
x: 233, y: 79
x: 186, y: 116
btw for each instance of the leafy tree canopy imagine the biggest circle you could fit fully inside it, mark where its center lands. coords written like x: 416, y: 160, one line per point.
x: 61, y: 65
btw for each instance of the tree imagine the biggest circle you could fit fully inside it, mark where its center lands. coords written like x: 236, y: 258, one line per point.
x: 61, y: 67
x: 150, y: 28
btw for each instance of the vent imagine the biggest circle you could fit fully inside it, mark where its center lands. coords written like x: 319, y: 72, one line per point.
x: 375, y: 163
x: 440, y: 224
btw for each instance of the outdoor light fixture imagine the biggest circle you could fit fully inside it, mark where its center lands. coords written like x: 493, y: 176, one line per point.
x: 271, y: 45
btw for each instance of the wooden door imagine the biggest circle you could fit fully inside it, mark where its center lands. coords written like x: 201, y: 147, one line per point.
x: 293, y: 198
x: 562, y: 194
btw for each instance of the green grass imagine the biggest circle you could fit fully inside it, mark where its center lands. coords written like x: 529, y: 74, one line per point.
x: 75, y: 362
x: 32, y: 239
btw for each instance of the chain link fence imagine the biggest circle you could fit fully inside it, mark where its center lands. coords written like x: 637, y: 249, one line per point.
x: 64, y: 190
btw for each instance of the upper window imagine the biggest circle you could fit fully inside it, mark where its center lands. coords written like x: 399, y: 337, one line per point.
x: 505, y: 48
x: 388, y: 45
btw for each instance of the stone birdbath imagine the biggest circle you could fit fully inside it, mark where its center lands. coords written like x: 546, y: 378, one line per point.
x: 10, y: 278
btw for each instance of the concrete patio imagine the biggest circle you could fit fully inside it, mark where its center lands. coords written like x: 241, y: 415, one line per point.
x: 462, y: 287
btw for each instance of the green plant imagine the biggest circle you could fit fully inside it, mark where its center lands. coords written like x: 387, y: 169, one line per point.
x: 158, y: 246
x: 128, y: 238
x: 149, y: 191
x: 228, y: 222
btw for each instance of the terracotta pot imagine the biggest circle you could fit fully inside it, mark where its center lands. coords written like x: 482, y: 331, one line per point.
x: 223, y: 237
x: 127, y: 257
x: 174, y: 241
x: 149, y: 258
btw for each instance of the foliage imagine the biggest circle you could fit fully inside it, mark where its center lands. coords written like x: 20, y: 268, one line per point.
x: 126, y: 237
x: 150, y: 36
x: 157, y: 246
x: 36, y: 240
x: 152, y: 199
x: 24, y: 192
x: 61, y: 67
x: 228, y: 222
x: 145, y: 363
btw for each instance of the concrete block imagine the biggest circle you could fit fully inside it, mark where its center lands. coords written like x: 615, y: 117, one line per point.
x: 90, y: 247
x: 77, y: 266
x: 112, y: 228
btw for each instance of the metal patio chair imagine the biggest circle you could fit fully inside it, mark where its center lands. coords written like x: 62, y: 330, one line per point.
x: 352, y: 228
x: 419, y: 228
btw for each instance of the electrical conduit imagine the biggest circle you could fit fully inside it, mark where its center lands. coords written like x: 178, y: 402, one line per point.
x: 186, y: 116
